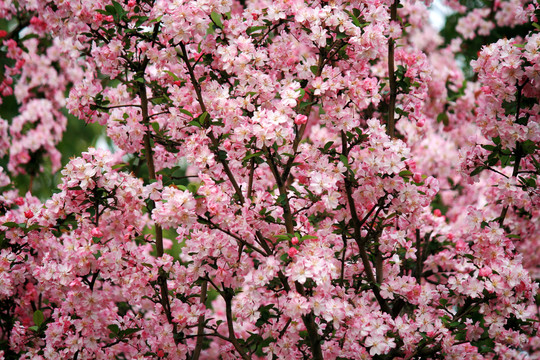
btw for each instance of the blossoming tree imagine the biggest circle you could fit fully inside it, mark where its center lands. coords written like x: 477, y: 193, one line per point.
x: 292, y: 180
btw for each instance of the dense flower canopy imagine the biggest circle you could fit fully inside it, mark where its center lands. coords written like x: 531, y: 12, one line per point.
x: 286, y: 179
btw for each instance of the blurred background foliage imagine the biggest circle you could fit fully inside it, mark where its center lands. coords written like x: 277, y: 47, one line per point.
x: 78, y: 137
x: 470, y: 47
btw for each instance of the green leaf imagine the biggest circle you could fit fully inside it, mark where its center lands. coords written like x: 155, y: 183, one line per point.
x: 253, y: 29
x: 130, y: 331
x: 505, y: 160
x: 391, y: 216
x: 216, y: 18
x: 354, y: 18
x: 405, y: 173
x: 327, y: 146
x: 38, y: 317
x: 10, y: 224
x: 443, y: 117
x: 314, y: 69
x: 222, y: 155
x: 184, y: 111
x: 282, y: 199
x: 528, y: 147
x: 140, y: 21
x: 32, y: 227
x: 202, y: 118
x: 530, y: 182
x: 489, y: 147
x: 173, y: 75
x: 443, y: 301
x: 119, y: 166
x: 115, y: 329
x: 247, y: 157
x: 401, y: 112
x: 195, y: 123
x: 477, y: 171
x: 492, y: 159
x: 119, y: 9
x: 110, y: 10
x: 344, y: 160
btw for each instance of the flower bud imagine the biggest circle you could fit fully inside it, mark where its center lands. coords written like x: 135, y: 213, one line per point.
x: 485, y: 271
x: 300, y: 119
x: 96, y: 233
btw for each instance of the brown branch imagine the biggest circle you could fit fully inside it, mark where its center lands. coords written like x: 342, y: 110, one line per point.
x: 200, y: 324
x: 309, y: 319
x: 162, y: 278
x: 358, y: 237
x: 240, y: 241
x: 215, y: 142
x: 379, y: 275
x: 227, y: 296
x: 392, y: 76
x: 342, y: 274
x: 250, y: 180
x: 419, y: 258
x: 302, y: 129
x: 518, y: 152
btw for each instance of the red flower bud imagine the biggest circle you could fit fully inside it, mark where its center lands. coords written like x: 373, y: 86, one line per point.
x: 292, y: 251
x: 300, y: 119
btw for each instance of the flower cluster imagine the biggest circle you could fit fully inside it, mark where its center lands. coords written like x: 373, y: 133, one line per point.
x: 291, y: 179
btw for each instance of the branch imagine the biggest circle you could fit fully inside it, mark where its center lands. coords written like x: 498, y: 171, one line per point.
x: 236, y: 237
x: 308, y: 320
x: 251, y: 174
x: 215, y: 142
x: 162, y: 279
x: 357, y: 234
x: 227, y: 296
x: 518, y: 152
x: 392, y: 76
x: 200, y: 325
x: 300, y: 133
